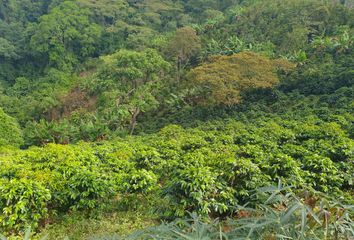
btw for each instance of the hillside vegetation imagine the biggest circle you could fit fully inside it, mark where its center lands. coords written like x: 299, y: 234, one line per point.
x: 186, y: 119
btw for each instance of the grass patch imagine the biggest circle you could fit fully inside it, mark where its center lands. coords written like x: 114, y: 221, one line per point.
x: 119, y: 218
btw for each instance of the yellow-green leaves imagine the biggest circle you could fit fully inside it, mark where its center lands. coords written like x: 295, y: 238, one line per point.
x: 223, y: 78
x: 23, y: 203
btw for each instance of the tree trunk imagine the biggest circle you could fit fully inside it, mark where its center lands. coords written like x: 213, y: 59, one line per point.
x: 178, y: 69
x: 135, y: 114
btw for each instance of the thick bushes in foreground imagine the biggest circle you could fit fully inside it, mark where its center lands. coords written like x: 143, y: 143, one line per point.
x: 23, y: 203
x: 210, y: 170
x: 281, y: 214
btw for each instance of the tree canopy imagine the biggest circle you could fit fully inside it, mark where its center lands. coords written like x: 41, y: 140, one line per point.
x: 130, y: 80
x: 65, y: 35
x: 222, y: 79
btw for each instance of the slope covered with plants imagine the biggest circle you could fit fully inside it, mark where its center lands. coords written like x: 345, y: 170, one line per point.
x: 117, y: 115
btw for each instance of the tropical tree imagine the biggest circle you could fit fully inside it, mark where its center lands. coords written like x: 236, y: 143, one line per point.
x: 183, y: 46
x: 223, y: 78
x: 65, y: 35
x: 129, y: 80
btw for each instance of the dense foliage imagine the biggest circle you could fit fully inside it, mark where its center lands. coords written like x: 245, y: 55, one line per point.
x: 209, y: 170
x: 283, y: 215
x: 186, y: 106
x: 10, y: 133
x: 225, y: 77
x: 54, y: 81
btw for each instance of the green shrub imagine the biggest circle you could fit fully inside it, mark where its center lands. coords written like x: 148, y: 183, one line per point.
x: 10, y: 133
x: 208, y: 170
x: 146, y: 157
x: 321, y: 173
x: 140, y: 181
x: 80, y: 189
x: 23, y: 203
x: 197, y: 188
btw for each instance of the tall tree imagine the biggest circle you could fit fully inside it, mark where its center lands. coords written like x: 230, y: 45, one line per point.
x: 65, y: 35
x: 222, y: 80
x: 183, y: 46
x: 130, y: 79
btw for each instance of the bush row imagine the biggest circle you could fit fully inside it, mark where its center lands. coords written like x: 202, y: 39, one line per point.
x: 209, y: 170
